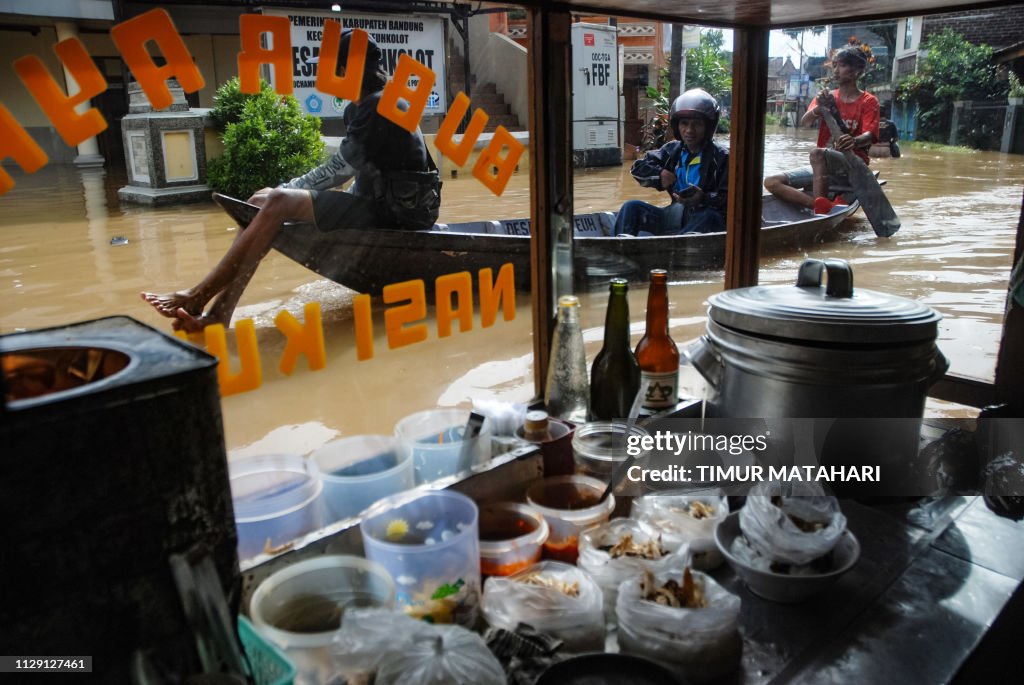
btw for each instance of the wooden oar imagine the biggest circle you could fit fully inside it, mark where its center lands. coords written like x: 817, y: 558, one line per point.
x: 865, y: 186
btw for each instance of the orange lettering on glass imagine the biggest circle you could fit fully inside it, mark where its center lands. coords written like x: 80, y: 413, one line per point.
x: 16, y: 143
x: 503, y: 166
x: 445, y: 143
x: 501, y: 290
x: 305, y: 339
x: 362, y: 315
x: 58, y: 107
x: 396, y: 89
x: 250, y: 375
x: 327, y: 80
x: 396, y: 318
x: 131, y: 37
x: 461, y: 286
x: 254, y: 55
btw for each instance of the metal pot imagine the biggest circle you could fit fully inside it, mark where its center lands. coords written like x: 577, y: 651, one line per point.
x: 814, y: 351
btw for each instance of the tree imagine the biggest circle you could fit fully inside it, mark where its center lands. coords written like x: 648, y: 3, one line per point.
x: 267, y: 139
x: 708, y: 66
x: 949, y: 69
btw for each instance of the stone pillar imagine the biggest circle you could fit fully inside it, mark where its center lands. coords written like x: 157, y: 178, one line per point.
x: 1013, y: 140
x: 88, y: 150
x: 959, y: 108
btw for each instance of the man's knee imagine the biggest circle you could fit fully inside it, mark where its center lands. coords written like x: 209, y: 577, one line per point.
x: 773, y: 183
x: 817, y: 157
x: 286, y: 202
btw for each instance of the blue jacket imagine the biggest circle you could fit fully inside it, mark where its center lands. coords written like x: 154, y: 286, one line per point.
x: 714, y: 171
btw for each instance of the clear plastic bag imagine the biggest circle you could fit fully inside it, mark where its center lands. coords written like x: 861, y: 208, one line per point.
x: 772, y: 531
x: 576, y: 620
x: 404, y: 651
x: 704, y: 643
x: 609, y: 572
x: 671, y: 515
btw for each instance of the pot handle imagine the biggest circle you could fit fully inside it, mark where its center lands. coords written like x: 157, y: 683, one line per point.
x: 840, y: 276
x: 706, y: 361
x: 939, y: 368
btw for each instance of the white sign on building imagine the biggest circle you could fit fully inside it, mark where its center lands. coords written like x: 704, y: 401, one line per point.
x: 420, y: 37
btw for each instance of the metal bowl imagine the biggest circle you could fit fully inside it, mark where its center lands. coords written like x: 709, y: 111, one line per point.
x: 780, y: 587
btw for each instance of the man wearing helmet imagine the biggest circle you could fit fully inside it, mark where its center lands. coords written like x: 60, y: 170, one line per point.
x: 693, y: 169
x: 396, y: 186
x: 856, y: 113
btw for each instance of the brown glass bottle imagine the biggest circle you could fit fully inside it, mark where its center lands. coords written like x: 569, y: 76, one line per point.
x: 657, y: 352
x: 615, y: 374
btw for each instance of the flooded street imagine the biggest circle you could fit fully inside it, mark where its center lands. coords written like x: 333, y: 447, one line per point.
x: 62, y: 260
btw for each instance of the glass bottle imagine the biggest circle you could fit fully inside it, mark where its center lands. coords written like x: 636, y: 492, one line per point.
x: 656, y: 352
x: 615, y: 375
x: 567, y: 389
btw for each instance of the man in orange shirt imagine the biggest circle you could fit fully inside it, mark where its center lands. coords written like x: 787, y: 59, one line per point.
x: 856, y: 112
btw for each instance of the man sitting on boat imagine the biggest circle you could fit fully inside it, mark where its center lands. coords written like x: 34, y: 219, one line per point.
x: 857, y: 114
x: 396, y: 185
x: 692, y: 168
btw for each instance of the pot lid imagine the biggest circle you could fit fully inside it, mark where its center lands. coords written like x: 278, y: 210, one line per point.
x: 810, y: 311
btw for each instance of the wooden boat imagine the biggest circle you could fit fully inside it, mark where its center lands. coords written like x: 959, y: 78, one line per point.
x: 366, y: 260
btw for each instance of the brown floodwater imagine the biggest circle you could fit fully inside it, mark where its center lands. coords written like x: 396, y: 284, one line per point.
x: 62, y: 260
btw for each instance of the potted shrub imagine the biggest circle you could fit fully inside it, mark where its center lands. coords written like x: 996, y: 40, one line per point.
x: 1016, y: 94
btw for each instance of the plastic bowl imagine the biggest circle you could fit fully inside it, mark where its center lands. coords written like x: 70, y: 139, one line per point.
x: 359, y: 470
x: 599, y: 446
x: 428, y: 543
x: 277, y: 498
x: 299, y: 607
x: 434, y: 440
x: 780, y: 587
x: 570, y: 506
x: 511, y: 536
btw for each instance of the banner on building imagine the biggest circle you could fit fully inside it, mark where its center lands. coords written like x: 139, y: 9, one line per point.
x: 420, y: 37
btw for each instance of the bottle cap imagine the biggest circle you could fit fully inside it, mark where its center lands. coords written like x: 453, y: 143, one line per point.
x: 538, y: 418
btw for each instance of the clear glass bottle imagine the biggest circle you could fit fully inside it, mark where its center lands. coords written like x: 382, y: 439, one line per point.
x: 615, y: 375
x: 566, y: 390
x: 656, y: 352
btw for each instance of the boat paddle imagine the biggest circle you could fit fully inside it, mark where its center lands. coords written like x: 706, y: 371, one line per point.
x: 876, y: 205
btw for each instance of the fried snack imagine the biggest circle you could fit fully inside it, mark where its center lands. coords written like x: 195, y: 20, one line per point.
x: 803, y: 524
x: 689, y: 595
x: 627, y: 547
x: 571, y: 589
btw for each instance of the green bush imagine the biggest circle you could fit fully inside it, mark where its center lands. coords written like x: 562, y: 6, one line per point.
x: 1016, y: 86
x: 267, y: 139
x: 951, y: 69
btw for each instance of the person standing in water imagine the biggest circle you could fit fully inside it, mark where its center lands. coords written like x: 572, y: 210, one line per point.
x: 396, y: 186
x: 857, y: 114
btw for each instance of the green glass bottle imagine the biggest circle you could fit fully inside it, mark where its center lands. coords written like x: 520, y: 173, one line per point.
x: 615, y: 375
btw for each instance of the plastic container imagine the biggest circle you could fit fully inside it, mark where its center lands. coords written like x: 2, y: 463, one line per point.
x: 268, y: 664
x: 434, y: 438
x: 570, y: 506
x: 277, y: 498
x: 599, y: 446
x: 428, y: 543
x: 299, y: 608
x: 359, y: 470
x: 511, y: 536
x: 672, y: 515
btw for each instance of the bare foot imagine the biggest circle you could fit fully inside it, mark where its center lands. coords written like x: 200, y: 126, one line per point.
x: 169, y: 304
x: 190, y: 323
